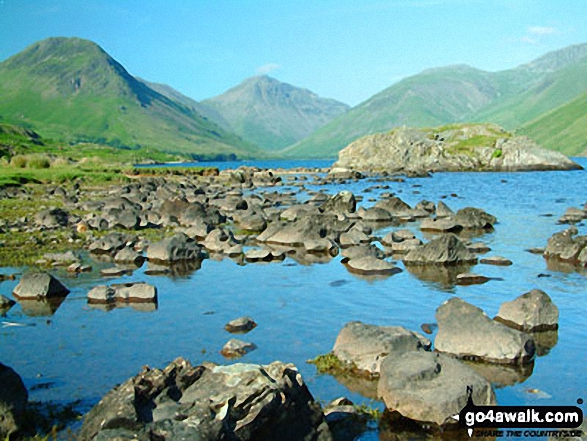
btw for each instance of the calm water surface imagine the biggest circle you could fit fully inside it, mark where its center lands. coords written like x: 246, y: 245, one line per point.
x: 82, y: 352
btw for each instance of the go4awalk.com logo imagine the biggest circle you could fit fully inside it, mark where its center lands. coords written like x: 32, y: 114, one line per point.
x: 520, y: 421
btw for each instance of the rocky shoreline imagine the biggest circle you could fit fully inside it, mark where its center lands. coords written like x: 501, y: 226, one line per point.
x: 173, y: 223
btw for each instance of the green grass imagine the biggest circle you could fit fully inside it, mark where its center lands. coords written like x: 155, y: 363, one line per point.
x: 328, y: 363
x: 563, y: 129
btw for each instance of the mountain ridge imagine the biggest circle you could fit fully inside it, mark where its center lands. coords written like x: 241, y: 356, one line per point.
x: 270, y: 113
x: 72, y: 90
x: 454, y: 94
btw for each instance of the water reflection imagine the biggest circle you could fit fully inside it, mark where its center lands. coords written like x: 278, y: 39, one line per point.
x: 544, y: 341
x: 443, y: 275
x: 139, y: 307
x: 394, y: 427
x: 40, y: 307
x: 502, y: 375
x: 181, y: 269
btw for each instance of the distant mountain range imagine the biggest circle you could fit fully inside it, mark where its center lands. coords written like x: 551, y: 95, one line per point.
x: 271, y: 114
x: 71, y: 90
x: 459, y: 93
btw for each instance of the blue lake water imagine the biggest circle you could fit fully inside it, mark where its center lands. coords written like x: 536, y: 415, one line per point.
x: 83, y: 351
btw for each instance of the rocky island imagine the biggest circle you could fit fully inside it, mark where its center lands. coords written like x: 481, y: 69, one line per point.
x: 456, y: 147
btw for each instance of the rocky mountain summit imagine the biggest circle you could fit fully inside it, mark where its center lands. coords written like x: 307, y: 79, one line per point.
x: 457, y: 147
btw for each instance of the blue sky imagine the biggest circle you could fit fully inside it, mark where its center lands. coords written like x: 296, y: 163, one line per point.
x: 348, y: 50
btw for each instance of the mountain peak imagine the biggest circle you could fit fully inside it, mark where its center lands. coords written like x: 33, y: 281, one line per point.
x: 558, y: 59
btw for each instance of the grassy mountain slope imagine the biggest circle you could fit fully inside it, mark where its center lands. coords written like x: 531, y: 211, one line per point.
x: 71, y: 90
x: 271, y: 114
x: 458, y: 94
x: 563, y: 129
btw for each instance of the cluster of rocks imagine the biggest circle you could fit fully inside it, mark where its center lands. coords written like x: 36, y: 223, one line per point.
x: 430, y: 387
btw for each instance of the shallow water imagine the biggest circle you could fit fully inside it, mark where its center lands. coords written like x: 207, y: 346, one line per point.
x: 81, y: 352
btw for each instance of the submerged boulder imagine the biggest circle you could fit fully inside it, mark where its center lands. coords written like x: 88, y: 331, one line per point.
x: 430, y: 387
x: 467, y: 332
x: 240, y: 401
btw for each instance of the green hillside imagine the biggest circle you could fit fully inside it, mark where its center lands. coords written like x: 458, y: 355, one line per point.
x: 563, y: 129
x: 458, y: 94
x: 269, y: 113
x: 70, y: 90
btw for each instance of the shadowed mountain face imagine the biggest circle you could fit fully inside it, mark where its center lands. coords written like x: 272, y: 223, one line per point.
x: 271, y: 114
x: 71, y: 89
x: 458, y: 94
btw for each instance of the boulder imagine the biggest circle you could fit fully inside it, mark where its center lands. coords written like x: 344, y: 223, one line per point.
x: 444, y: 250
x: 496, y: 260
x: 467, y: 332
x: 39, y: 285
x: 474, y: 219
x: 443, y: 210
x: 127, y: 292
x: 430, y: 387
x: 442, y: 225
x: 240, y: 325
x: 342, y: 202
x: 111, y: 243
x: 174, y: 249
x: 355, y: 236
x: 363, y: 347
x: 219, y: 240
x: 471, y: 279
x: 128, y: 255
x: 375, y: 214
x: 344, y: 173
x: 371, y: 266
x: 241, y: 401
x: 573, y: 216
x: 566, y: 246
x: 235, y: 348
x: 52, y: 218
x: 531, y: 312
x: 395, y: 206
x: 13, y: 402
x: 294, y: 233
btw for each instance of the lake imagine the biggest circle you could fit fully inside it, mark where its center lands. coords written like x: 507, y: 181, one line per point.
x: 81, y: 352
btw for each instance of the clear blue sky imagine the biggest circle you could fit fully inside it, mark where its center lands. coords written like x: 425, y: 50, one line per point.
x: 348, y: 50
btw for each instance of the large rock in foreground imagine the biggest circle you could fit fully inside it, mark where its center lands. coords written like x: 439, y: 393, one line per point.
x: 240, y: 401
x: 473, y: 147
x: 13, y: 401
x: 363, y: 347
x: 430, y: 387
x: 467, y: 332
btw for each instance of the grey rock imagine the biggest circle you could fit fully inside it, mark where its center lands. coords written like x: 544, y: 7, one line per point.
x: 357, y: 252
x: 573, y: 216
x: 465, y: 331
x: 52, y: 218
x: 343, y: 202
x: 443, y: 210
x: 442, y: 225
x: 531, y: 312
x: 445, y: 250
x: 363, y: 347
x: 371, y: 266
x: 6, y: 303
x: 174, y: 249
x: 13, y: 402
x: 235, y: 348
x: 471, y: 279
x: 128, y: 255
x: 115, y: 271
x: 375, y: 214
x: 219, y: 240
x: 321, y: 246
x: 418, y: 150
x: 355, y: 236
x: 430, y: 387
x: 39, y: 285
x: 111, y: 243
x: 395, y: 206
x: 61, y: 258
x: 565, y: 246
x: 496, y: 260
x: 240, y: 325
x: 127, y: 292
x: 474, y: 219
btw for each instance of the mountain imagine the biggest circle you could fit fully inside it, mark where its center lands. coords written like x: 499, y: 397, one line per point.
x: 563, y: 129
x: 70, y: 89
x: 458, y: 94
x: 271, y: 114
